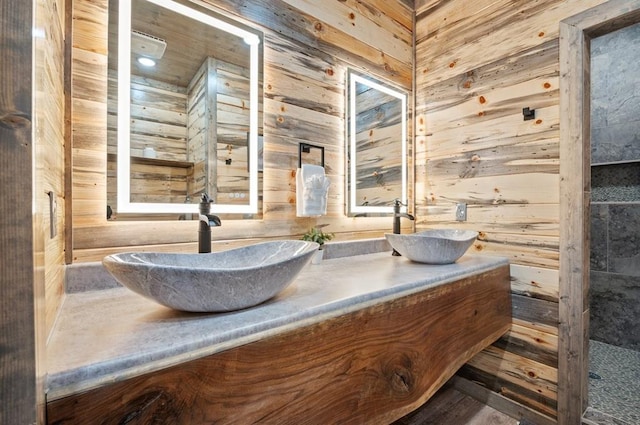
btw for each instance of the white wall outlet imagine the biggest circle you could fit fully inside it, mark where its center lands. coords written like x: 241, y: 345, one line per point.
x: 461, y: 212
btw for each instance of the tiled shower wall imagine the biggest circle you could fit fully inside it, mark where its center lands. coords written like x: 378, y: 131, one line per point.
x: 615, y: 189
x: 615, y: 274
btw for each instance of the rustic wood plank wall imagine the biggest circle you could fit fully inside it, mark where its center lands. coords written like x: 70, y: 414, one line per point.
x: 219, y: 92
x: 232, y: 98
x: 49, y: 120
x: 158, y: 120
x: 378, y: 125
x: 478, y: 64
x: 200, y: 112
x: 307, y: 50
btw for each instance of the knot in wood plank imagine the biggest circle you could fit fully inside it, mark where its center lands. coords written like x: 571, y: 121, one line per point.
x: 15, y: 120
x: 399, y: 373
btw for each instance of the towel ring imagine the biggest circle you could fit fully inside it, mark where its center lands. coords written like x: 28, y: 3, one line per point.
x: 306, y: 148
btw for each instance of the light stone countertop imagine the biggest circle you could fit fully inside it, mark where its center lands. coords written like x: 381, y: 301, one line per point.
x: 109, y: 335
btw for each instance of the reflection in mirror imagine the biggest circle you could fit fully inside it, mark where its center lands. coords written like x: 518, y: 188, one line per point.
x: 377, y: 146
x: 184, y: 110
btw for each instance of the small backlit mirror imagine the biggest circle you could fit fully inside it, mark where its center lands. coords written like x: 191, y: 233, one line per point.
x: 376, y: 147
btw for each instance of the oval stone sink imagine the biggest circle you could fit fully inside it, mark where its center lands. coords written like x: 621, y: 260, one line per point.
x: 220, y: 281
x: 435, y: 246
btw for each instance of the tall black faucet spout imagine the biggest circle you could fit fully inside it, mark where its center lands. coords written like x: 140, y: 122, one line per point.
x: 207, y: 221
x: 397, y: 215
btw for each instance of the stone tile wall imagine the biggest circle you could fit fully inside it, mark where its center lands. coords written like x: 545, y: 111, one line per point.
x: 615, y: 195
x: 615, y: 96
x: 615, y: 274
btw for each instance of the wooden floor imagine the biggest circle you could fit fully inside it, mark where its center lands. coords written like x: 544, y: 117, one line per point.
x: 449, y: 406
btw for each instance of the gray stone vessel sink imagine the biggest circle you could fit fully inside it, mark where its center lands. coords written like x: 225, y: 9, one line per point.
x: 435, y: 246
x: 217, y: 282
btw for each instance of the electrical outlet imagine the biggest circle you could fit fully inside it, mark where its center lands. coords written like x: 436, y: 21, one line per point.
x: 461, y: 212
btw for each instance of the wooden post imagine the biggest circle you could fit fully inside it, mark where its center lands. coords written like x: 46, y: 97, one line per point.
x: 19, y: 391
x: 575, y: 186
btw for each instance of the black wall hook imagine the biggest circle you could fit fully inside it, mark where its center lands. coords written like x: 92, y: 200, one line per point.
x: 528, y: 114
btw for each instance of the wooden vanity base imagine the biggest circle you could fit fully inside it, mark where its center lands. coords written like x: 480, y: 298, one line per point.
x: 371, y: 366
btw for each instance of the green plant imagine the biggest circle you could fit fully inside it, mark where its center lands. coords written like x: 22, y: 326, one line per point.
x: 318, y: 236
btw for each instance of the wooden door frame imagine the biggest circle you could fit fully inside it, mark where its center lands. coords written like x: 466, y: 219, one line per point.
x: 575, y: 191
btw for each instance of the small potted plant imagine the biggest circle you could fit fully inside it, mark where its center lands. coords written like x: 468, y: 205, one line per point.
x: 318, y: 236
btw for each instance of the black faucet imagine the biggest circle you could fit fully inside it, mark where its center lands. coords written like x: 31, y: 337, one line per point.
x: 396, y: 220
x: 207, y: 221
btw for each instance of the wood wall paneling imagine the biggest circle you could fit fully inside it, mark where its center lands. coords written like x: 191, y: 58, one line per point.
x: 378, y: 125
x: 473, y: 146
x: 199, y: 136
x: 50, y: 149
x: 305, y: 61
x: 339, y: 38
x: 49, y: 119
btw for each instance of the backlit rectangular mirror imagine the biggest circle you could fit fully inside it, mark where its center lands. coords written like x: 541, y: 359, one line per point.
x: 377, y: 145
x: 188, y: 108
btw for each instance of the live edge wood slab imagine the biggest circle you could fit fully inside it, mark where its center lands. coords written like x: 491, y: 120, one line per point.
x: 372, y: 365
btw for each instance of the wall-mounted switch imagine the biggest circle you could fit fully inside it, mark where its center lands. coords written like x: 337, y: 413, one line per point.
x: 461, y: 212
x: 53, y: 208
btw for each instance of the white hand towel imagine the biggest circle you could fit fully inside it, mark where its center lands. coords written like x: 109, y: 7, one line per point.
x: 312, y: 188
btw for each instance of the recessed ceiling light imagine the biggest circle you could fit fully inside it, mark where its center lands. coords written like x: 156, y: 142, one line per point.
x: 146, y: 61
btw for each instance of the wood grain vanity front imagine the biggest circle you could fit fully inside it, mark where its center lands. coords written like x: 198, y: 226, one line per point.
x: 372, y: 365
